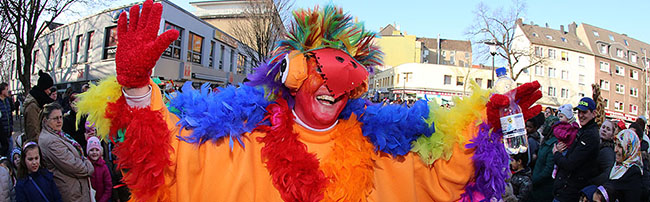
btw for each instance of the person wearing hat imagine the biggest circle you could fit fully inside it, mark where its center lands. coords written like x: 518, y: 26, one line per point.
x: 101, y: 178
x: 38, y: 96
x: 577, y: 167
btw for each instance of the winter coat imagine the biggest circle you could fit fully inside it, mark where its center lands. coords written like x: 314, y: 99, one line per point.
x: 69, y: 121
x: 578, y: 167
x: 606, y: 159
x: 542, y: 180
x: 533, y: 148
x: 71, y: 170
x: 566, y: 132
x: 101, y: 181
x: 6, y: 185
x: 26, y: 191
x: 32, y: 123
x: 628, y: 187
x: 522, y: 185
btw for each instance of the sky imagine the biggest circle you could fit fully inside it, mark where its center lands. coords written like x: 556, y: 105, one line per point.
x: 451, y: 18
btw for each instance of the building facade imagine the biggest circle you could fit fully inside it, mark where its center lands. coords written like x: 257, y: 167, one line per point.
x: 621, y: 69
x: 446, y: 52
x: 563, y: 64
x: 84, y: 50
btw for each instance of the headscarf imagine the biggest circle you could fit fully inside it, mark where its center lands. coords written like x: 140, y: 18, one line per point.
x: 631, y: 145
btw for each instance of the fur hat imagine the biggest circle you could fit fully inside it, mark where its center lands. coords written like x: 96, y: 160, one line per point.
x: 93, y: 142
x: 44, y: 80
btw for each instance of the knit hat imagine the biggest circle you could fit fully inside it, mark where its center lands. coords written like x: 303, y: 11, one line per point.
x: 14, y: 151
x: 93, y: 142
x: 567, y: 110
x: 44, y: 80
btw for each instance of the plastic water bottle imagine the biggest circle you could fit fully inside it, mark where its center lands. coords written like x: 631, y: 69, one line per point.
x: 513, y: 125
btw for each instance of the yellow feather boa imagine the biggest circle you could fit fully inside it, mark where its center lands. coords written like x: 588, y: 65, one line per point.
x: 94, y: 101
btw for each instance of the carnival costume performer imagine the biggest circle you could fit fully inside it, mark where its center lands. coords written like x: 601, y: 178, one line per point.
x: 297, y: 130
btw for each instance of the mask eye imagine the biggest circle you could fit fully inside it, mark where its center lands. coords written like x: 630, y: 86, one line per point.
x: 284, y: 68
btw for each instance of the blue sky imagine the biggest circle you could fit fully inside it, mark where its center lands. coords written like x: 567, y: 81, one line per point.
x: 450, y: 19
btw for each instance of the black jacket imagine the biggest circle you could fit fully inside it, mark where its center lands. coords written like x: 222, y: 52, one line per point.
x: 628, y: 187
x: 522, y: 184
x: 579, y: 166
x: 606, y: 159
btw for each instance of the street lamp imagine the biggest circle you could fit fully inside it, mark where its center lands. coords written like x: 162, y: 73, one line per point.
x: 493, y: 51
x: 406, y: 76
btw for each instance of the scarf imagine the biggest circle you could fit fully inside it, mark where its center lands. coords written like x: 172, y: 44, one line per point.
x: 65, y: 137
x: 631, y: 145
x: 40, y: 96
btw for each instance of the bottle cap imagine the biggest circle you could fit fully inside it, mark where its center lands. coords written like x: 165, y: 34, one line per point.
x: 501, y: 71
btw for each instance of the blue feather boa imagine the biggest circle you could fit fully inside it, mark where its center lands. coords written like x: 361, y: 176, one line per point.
x: 391, y: 128
x: 230, y: 112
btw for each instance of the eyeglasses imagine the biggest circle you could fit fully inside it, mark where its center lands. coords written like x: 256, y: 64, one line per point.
x: 56, y: 118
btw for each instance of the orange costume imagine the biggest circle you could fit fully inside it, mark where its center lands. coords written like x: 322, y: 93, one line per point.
x: 255, y: 143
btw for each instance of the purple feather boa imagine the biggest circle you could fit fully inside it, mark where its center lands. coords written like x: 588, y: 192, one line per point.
x: 490, y: 164
x: 265, y: 74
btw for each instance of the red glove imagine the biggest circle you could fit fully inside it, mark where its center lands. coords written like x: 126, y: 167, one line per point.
x: 525, y: 97
x: 138, y: 46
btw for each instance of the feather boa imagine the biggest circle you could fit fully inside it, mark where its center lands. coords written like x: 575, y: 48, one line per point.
x: 448, y: 125
x: 144, y: 153
x: 294, y: 171
x: 229, y: 113
x: 490, y: 164
x: 94, y: 102
x: 391, y: 128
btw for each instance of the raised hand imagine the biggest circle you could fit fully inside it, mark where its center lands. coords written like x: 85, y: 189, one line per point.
x: 139, y: 46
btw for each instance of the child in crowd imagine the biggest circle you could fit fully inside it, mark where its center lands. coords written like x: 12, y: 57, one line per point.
x: 15, y: 159
x: 566, y: 129
x: 521, y: 181
x: 101, y: 178
x: 7, y: 180
x: 604, y: 194
x: 35, y: 183
x: 587, y: 194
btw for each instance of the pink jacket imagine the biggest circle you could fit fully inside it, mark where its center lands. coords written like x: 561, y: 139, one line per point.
x: 101, y: 181
x: 566, y: 132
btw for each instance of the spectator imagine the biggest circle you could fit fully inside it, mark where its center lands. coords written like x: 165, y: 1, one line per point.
x: 7, y: 180
x: 549, y: 111
x: 534, y: 138
x: 604, y: 194
x: 15, y: 159
x: 35, y: 184
x: 625, y: 177
x: 606, y: 154
x: 101, y: 178
x: 6, y: 120
x: 547, y: 128
x: 65, y: 102
x: 521, y: 183
x: 85, y: 88
x: 54, y: 94
x: 64, y: 157
x: 578, y: 166
x: 70, y: 121
x: 566, y: 129
x: 38, y: 96
x: 542, y: 180
x: 587, y: 194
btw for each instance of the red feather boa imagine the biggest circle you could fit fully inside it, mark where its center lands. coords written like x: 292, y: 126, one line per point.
x: 144, y: 154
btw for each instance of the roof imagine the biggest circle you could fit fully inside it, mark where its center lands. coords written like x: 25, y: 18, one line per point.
x: 558, y: 38
x: 387, y: 31
x: 447, y: 44
x: 53, y: 25
x: 619, y: 41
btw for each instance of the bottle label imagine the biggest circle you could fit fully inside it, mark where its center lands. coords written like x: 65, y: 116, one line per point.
x: 513, y: 125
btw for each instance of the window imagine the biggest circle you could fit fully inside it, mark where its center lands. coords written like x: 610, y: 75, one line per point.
x: 222, y: 58
x: 89, y: 45
x: 77, y: 49
x: 633, y: 109
x: 174, y: 49
x: 551, y: 53
x: 466, y: 55
x: 489, y: 83
x: 479, y: 81
x: 110, y: 43
x: 604, y: 84
x: 604, y: 66
x: 460, y: 80
x: 452, y: 57
x: 447, y: 79
x: 565, y: 56
x: 606, y: 103
x: 564, y: 93
x: 444, y: 53
x: 539, y: 52
x: 551, y: 91
x: 241, y: 64
x: 549, y: 37
x: 581, y: 61
x: 634, y: 74
x: 620, y: 88
x: 563, y: 39
x: 64, y: 58
x: 194, y: 48
x: 625, y: 41
x: 539, y: 70
x: 620, y: 70
x: 581, y: 80
x: 232, y: 61
x: 618, y: 106
x: 603, y: 48
x: 619, y: 53
x: 50, y: 58
x: 211, y: 63
x: 596, y: 33
x: 551, y: 72
x: 611, y: 37
x: 565, y: 75
x: 634, y: 92
x: 632, y: 57
x: 35, y: 62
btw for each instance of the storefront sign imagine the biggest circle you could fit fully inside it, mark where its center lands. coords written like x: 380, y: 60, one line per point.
x: 620, y: 115
x: 225, y: 39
